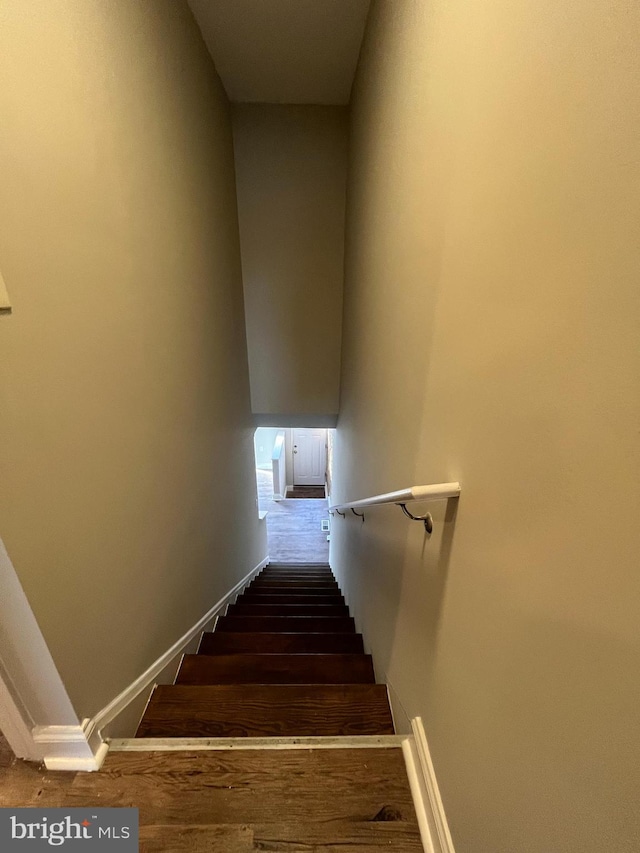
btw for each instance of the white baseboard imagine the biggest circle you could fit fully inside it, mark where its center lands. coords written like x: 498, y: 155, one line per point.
x: 68, y: 748
x: 30, y: 685
x: 92, y: 728
x: 432, y: 820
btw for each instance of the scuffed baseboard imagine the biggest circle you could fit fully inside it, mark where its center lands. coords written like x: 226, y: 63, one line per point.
x: 432, y: 820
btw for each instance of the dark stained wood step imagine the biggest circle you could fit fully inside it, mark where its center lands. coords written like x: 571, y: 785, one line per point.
x: 287, y: 624
x: 264, y: 588
x: 328, y: 578
x: 283, y: 589
x: 282, y: 574
x: 246, y: 608
x: 288, y: 578
x: 303, y: 570
x: 303, y: 582
x: 288, y: 598
x: 276, y: 669
x: 257, y: 710
x: 238, y: 642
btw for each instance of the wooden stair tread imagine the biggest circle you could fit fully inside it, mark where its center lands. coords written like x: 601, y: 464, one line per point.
x: 295, y: 575
x: 284, y: 589
x: 305, y: 582
x: 297, y: 570
x: 221, y: 642
x: 250, y: 786
x: 287, y: 624
x: 248, y: 608
x: 267, y: 710
x: 295, y: 579
x: 287, y: 598
x: 250, y: 668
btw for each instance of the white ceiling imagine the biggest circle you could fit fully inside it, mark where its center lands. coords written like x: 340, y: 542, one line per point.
x: 284, y: 51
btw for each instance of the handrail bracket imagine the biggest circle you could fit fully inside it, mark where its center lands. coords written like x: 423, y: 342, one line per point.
x: 427, y: 519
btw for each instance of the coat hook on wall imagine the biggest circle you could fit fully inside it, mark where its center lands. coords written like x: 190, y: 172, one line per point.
x: 427, y: 519
x: 341, y: 514
x: 359, y: 514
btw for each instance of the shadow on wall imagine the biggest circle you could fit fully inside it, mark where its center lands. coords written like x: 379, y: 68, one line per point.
x: 417, y: 620
x: 416, y: 589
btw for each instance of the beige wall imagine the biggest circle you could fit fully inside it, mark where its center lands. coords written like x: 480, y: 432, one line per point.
x: 291, y: 173
x: 127, y: 499
x: 491, y: 336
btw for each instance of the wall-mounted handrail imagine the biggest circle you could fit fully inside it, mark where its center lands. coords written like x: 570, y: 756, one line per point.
x: 404, y: 496
x: 434, y: 492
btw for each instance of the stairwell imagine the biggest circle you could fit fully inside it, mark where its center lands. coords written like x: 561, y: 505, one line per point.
x: 285, y: 673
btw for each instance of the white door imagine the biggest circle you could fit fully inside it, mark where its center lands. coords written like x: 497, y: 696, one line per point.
x: 309, y: 457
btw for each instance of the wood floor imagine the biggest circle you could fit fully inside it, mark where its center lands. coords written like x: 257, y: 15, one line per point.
x: 292, y: 801
x: 293, y: 526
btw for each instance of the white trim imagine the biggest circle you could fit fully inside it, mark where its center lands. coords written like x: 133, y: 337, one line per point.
x: 93, y: 726
x: 15, y: 724
x: 31, y: 690
x: 432, y: 820
x: 68, y: 748
x: 188, y: 743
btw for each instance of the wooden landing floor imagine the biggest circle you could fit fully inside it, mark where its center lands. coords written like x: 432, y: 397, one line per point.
x: 291, y: 801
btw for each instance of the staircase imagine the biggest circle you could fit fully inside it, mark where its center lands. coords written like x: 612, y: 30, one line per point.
x: 285, y: 661
x: 274, y: 735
